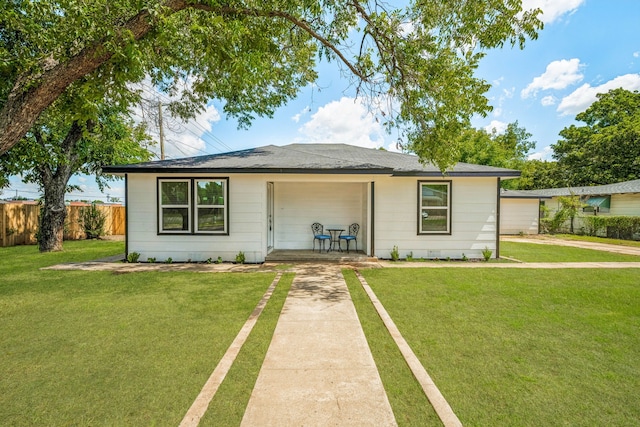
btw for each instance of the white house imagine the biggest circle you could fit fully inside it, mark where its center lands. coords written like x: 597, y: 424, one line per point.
x: 520, y: 212
x: 266, y: 198
x: 518, y: 208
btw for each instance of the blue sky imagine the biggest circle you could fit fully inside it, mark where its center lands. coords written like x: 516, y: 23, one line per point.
x: 586, y: 47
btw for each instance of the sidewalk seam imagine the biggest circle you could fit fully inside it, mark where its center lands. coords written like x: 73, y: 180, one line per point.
x: 208, y: 391
x: 439, y: 403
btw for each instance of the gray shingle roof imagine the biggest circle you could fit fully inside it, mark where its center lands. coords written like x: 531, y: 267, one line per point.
x: 309, y: 158
x: 596, y: 190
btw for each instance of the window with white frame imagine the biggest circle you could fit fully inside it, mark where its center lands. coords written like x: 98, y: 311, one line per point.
x: 434, y: 207
x: 211, y: 206
x: 174, y: 212
x: 190, y: 205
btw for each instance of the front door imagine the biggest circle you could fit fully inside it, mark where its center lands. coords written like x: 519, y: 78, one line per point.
x: 270, y: 232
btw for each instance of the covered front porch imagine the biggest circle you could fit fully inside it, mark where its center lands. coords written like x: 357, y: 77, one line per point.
x: 334, y: 202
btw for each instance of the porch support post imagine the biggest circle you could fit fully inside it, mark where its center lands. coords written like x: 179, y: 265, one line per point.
x: 372, y: 209
x: 498, y: 220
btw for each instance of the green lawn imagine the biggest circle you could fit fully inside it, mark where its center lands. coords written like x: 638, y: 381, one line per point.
x: 535, y: 252
x: 594, y: 239
x: 521, y: 347
x: 97, y: 348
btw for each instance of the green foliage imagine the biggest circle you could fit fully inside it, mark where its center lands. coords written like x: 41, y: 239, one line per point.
x: 395, y: 253
x: 151, y: 260
x: 240, y: 258
x: 409, y: 256
x: 486, y: 254
x: 538, y: 174
x: 92, y: 220
x: 133, y: 257
x: 169, y: 260
x: 569, y: 208
x: 606, y: 149
x: 255, y: 57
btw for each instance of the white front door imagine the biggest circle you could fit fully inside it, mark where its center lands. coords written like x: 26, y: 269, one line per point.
x: 270, y: 232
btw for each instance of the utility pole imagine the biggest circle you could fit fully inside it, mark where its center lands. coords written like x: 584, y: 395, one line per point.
x: 161, y: 130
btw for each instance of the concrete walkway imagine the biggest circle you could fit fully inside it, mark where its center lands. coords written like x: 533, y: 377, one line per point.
x: 318, y: 370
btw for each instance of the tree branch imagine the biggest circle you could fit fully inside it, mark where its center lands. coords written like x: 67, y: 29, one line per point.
x: 23, y: 107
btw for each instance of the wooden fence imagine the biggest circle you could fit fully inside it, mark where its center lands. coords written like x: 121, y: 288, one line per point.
x: 19, y: 222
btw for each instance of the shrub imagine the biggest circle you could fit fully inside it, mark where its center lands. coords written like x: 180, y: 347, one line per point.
x: 486, y: 253
x: 395, y: 254
x: 169, y: 260
x: 410, y: 256
x: 92, y: 221
x: 133, y: 257
x: 240, y: 258
x: 151, y: 259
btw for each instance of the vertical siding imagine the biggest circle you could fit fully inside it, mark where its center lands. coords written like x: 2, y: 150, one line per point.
x: 473, y: 221
x: 519, y: 216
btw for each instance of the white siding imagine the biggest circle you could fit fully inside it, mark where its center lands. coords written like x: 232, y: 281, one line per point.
x: 247, y: 230
x: 300, y: 204
x: 473, y: 223
x: 334, y: 201
x: 625, y: 204
x: 519, y: 216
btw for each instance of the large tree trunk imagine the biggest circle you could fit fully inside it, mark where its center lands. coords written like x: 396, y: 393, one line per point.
x: 54, y: 184
x: 52, y: 217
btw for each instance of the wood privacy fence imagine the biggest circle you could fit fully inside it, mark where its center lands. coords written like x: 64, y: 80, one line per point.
x: 19, y: 222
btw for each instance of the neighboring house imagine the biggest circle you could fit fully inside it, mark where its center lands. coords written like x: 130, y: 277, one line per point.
x: 266, y: 198
x: 520, y: 212
x: 620, y: 199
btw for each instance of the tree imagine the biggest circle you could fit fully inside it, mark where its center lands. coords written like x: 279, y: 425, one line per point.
x: 537, y: 174
x: 417, y: 61
x: 59, y: 146
x: 607, y: 148
x: 506, y: 150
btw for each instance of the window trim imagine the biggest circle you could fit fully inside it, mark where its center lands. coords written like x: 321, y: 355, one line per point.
x: 224, y: 206
x: 192, y: 206
x: 449, y: 209
x: 160, y: 206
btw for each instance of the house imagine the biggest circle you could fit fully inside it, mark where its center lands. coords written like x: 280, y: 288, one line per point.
x: 266, y: 198
x: 520, y: 211
x: 620, y: 199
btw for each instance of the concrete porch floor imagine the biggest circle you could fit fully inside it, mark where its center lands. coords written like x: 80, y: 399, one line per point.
x: 307, y: 255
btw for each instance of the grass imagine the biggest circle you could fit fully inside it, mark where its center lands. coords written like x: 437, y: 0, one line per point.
x: 594, y: 239
x: 535, y: 252
x: 228, y: 405
x: 410, y: 405
x: 97, y: 348
x: 522, y: 347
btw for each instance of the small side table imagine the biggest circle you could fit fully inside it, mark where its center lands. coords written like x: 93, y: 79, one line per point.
x: 335, y: 237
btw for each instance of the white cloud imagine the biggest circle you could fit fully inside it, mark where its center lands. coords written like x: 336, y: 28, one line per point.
x: 545, y: 154
x: 345, y: 121
x: 559, y: 75
x: 636, y: 54
x: 585, y: 95
x: 304, y: 111
x: 496, y: 126
x: 552, y: 9
x: 548, y: 100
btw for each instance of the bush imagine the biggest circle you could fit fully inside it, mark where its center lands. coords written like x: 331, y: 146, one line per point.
x: 395, y: 254
x: 240, y: 258
x: 133, y: 257
x: 92, y: 221
x: 486, y: 253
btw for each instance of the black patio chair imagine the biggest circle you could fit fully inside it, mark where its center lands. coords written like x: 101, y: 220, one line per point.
x: 318, y: 234
x: 352, y: 234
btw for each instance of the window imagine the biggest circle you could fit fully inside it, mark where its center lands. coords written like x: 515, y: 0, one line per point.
x: 211, y: 202
x: 188, y: 206
x: 175, y: 210
x: 434, y: 212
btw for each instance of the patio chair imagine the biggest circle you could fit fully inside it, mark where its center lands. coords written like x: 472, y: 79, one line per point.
x: 352, y: 234
x: 318, y: 234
